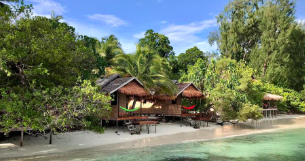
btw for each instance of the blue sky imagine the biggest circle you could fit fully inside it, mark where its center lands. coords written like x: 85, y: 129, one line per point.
x: 187, y: 23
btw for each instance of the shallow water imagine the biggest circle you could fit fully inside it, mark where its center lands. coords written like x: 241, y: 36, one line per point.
x: 282, y: 145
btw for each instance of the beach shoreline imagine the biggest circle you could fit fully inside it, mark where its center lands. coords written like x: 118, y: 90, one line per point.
x: 71, y: 144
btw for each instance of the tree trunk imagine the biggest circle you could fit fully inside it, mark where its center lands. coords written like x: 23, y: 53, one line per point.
x: 134, y: 103
x: 265, y: 68
x: 51, y: 132
x: 21, y: 138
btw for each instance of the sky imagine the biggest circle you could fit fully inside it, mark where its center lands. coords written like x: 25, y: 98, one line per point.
x: 187, y: 23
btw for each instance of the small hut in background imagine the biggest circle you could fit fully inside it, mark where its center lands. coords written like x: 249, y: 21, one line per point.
x: 270, y: 104
x: 270, y: 100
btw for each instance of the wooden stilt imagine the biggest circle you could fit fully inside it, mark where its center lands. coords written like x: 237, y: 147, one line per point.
x: 155, y: 128
x: 181, y: 121
x: 21, y: 138
x: 117, y: 124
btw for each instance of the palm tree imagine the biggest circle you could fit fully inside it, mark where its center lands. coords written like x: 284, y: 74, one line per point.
x: 55, y: 17
x: 109, y: 48
x: 148, y: 67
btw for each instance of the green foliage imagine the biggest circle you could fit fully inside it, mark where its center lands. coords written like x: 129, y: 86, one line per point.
x: 173, y: 63
x: 150, y: 68
x: 249, y: 111
x: 190, y: 57
x: 158, y: 42
x: 196, y: 74
x: 33, y: 46
x: 231, y: 87
x: 109, y: 48
x: 266, y: 36
x: 55, y: 108
x: 41, y: 59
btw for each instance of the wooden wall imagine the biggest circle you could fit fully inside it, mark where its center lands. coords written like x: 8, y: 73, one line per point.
x: 161, y: 107
x: 122, y: 102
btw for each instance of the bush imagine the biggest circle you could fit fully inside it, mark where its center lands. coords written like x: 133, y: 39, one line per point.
x: 249, y: 111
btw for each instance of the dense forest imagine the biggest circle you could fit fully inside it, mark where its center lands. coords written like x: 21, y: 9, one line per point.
x: 48, y: 71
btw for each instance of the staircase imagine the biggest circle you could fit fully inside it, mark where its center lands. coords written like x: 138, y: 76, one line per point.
x: 132, y: 129
x: 193, y: 123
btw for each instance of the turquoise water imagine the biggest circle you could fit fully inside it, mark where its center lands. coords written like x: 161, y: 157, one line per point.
x: 283, y: 145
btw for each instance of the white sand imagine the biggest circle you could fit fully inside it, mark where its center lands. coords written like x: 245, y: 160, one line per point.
x: 65, y: 142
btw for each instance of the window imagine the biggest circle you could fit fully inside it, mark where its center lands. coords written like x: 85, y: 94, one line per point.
x: 114, y: 97
x: 144, y: 101
x: 174, y: 102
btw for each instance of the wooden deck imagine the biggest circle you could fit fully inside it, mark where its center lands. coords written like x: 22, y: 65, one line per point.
x: 132, y: 118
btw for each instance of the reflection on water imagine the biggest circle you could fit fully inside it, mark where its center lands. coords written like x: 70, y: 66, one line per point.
x: 284, y: 145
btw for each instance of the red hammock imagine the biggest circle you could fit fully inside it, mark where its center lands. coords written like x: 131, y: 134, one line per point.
x: 188, y: 108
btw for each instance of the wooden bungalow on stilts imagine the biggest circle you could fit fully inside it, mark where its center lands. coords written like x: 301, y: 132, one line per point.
x: 122, y: 91
x: 129, y: 93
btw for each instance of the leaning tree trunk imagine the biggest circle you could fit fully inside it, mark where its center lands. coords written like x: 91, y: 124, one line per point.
x: 134, y: 103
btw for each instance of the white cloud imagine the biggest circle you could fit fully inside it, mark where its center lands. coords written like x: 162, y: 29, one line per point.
x: 182, y: 33
x: 205, y: 46
x: 108, y: 19
x: 139, y: 35
x: 89, y: 30
x: 128, y: 46
x: 300, y: 20
x: 45, y: 8
x: 164, y: 22
x: 202, y: 45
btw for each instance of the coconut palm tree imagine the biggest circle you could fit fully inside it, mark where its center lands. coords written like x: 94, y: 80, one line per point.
x: 109, y: 48
x: 148, y: 67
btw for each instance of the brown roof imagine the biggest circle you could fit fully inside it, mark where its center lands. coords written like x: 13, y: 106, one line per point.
x: 272, y: 97
x: 188, y: 90
x: 128, y: 86
x: 133, y: 88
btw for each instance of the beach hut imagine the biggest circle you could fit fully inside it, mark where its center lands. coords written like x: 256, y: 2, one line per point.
x: 269, y: 104
x: 122, y: 91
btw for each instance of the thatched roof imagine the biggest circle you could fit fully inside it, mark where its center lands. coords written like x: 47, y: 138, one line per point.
x: 272, y: 97
x: 133, y: 88
x: 128, y: 86
x: 188, y: 90
x: 192, y: 92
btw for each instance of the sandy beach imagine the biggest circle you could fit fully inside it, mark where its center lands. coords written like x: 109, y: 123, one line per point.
x: 71, y: 143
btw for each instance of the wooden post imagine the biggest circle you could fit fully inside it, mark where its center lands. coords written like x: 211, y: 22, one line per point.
x: 117, y: 124
x: 50, y: 141
x: 155, y: 128
x: 21, y: 138
x: 118, y: 102
x: 181, y: 120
